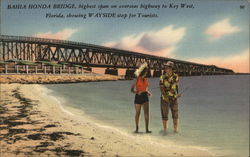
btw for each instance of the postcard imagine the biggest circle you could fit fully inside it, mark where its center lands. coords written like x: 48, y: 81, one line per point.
x: 124, y: 78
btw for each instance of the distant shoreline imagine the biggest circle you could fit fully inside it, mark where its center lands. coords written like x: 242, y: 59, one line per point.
x: 54, y: 78
x: 242, y: 74
x: 66, y: 78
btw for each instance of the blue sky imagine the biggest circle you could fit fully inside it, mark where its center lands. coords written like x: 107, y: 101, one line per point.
x: 212, y: 32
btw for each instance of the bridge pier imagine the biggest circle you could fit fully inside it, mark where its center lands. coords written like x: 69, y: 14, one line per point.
x: 130, y: 74
x: 53, y: 69
x: 27, y: 69
x: 111, y: 71
x: 149, y: 73
x: 44, y: 70
x: 198, y: 73
x: 76, y: 70
x: 6, y: 68
x: 181, y: 73
x: 17, y: 70
x: 69, y: 70
x: 60, y: 70
x: 88, y: 69
x: 36, y: 69
x: 157, y: 73
x: 208, y: 73
x: 194, y: 73
x: 185, y: 73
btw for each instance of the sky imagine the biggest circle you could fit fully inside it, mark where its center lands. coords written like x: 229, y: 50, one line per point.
x: 213, y: 32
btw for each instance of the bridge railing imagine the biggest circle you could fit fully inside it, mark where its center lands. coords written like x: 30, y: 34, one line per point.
x: 74, y: 43
x: 37, y: 39
x: 56, y: 41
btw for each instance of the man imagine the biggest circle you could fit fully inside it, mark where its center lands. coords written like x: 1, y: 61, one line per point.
x: 169, y: 94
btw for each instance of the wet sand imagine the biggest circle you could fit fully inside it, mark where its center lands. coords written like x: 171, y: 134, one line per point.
x: 33, y: 124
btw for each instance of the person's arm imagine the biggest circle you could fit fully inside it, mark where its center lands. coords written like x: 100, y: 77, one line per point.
x: 162, y: 86
x: 148, y: 92
x: 133, y: 87
x: 162, y: 89
x: 176, y: 85
x: 163, y: 92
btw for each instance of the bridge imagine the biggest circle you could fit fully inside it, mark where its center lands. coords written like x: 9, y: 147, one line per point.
x: 60, y: 53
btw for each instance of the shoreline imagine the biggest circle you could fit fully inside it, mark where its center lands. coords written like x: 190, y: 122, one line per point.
x: 68, y: 78
x: 48, y: 130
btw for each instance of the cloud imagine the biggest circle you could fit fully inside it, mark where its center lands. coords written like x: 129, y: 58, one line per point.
x: 221, y: 28
x: 62, y: 35
x: 238, y: 62
x: 162, y: 42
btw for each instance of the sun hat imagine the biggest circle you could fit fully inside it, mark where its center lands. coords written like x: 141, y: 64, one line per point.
x: 169, y: 64
x: 140, y: 69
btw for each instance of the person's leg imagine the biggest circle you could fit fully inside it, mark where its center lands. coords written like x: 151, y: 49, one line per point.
x: 146, y: 115
x: 175, y: 115
x: 137, y: 116
x: 164, y: 113
x: 165, y: 125
x: 175, y: 125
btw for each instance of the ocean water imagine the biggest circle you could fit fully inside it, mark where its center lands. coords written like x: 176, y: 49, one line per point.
x: 213, y: 110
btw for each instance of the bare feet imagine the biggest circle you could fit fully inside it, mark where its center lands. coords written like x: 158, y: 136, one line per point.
x: 147, y: 131
x: 136, y: 130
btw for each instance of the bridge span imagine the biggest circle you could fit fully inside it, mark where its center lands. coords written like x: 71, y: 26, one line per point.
x: 62, y: 52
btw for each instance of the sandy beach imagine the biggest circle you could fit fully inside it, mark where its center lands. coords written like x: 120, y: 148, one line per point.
x: 35, y: 124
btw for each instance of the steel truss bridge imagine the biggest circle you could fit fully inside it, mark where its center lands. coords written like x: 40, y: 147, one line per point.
x: 89, y: 55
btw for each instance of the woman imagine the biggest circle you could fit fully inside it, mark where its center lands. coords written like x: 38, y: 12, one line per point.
x: 140, y: 88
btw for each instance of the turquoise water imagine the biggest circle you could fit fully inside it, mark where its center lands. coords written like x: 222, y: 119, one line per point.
x: 214, y: 110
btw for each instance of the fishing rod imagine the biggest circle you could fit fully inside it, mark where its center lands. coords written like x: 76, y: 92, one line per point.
x: 186, y: 88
